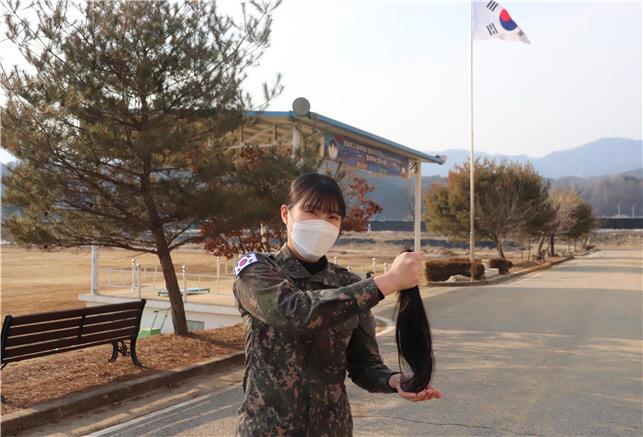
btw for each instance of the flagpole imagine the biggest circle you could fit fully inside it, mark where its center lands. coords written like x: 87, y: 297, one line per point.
x: 471, y: 167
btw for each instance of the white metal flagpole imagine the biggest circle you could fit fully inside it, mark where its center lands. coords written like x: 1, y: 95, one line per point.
x: 471, y: 167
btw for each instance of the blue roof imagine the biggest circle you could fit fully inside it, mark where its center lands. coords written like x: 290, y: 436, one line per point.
x: 334, y: 124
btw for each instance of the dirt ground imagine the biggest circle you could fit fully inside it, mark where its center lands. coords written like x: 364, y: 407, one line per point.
x: 50, y: 377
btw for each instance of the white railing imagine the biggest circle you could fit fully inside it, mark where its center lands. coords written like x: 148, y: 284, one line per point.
x: 145, y: 278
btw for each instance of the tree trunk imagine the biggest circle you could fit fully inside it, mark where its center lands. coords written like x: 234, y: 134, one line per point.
x: 540, y: 244
x: 498, y: 242
x: 163, y: 252
x: 551, y: 245
x: 172, y: 285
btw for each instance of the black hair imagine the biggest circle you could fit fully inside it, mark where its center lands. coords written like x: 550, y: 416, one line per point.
x: 317, y: 192
x: 413, y: 338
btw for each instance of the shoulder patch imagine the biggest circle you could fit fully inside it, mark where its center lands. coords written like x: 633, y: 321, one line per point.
x: 244, y: 262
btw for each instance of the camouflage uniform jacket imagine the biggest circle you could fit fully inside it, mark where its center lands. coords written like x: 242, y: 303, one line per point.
x: 302, y: 333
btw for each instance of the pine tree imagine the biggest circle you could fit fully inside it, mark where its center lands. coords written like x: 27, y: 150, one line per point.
x: 509, y: 198
x: 121, y: 129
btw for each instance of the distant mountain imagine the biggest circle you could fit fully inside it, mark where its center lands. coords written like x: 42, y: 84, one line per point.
x: 609, y: 195
x: 601, y: 157
x: 636, y: 173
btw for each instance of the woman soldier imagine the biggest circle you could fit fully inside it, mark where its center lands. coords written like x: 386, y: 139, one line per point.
x: 308, y: 321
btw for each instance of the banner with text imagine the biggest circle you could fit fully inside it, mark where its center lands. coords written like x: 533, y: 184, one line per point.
x: 339, y: 148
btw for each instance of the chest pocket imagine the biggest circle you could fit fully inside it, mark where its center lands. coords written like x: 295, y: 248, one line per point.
x: 342, y: 333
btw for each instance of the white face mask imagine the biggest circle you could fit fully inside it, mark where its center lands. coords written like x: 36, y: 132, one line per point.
x: 313, y: 238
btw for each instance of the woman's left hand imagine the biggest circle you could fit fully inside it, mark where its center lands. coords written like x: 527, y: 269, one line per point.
x: 428, y: 392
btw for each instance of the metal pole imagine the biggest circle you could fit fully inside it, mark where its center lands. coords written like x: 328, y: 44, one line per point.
x: 471, y: 166
x: 138, y: 280
x: 133, y: 275
x: 94, y: 283
x: 373, y: 265
x: 185, y: 284
x: 418, y: 205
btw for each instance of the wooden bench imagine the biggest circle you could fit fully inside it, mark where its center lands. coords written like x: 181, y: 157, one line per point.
x: 35, y: 335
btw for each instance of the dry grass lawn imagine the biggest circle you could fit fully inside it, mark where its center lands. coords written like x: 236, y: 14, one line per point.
x: 37, y: 281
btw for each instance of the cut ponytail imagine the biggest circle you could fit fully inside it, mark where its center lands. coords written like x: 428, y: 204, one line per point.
x: 413, y: 338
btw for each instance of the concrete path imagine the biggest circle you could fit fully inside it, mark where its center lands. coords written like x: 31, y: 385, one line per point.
x: 556, y: 353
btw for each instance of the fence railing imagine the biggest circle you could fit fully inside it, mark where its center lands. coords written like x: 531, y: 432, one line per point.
x: 142, y: 278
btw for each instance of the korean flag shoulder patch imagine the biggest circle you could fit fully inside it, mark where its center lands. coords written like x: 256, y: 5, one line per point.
x: 244, y: 262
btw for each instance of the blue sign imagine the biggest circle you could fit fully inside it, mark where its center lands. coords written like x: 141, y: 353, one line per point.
x: 339, y: 148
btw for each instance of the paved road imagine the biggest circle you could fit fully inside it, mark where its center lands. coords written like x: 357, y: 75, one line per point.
x: 556, y: 353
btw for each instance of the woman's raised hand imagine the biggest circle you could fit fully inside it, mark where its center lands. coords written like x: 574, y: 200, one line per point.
x: 405, y: 272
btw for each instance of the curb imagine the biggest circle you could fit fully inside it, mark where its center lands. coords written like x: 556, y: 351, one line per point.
x: 47, y: 412
x: 501, y: 278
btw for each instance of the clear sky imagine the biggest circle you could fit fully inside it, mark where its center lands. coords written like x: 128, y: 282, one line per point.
x: 400, y: 69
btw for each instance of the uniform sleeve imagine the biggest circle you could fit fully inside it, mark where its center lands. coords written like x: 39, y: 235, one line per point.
x: 273, y: 298
x: 363, y: 361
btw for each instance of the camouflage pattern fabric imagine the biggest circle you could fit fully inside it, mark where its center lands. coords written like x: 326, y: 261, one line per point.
x: 303, y: 333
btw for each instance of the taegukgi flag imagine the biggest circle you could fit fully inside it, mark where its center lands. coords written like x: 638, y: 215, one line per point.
x: 491, y: 20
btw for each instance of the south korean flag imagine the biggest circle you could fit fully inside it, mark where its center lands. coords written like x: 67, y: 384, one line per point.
x: 491, y: 20
x: 244, y: 262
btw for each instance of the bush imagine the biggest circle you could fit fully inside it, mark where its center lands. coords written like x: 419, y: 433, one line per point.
x: 503, y: 265
x: 442, y: 269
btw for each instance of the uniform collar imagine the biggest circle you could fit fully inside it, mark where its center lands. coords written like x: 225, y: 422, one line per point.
x: 293, y: 267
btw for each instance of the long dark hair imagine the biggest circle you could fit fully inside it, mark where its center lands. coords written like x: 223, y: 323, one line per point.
x: 317, y: 192
x: 413, y: 338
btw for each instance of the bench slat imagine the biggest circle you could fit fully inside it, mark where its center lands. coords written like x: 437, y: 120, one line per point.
x: 40, y: 354
x: 57, y: 344
x: 71, y: 332
x: 50, y: 326
x: 68, y: 314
